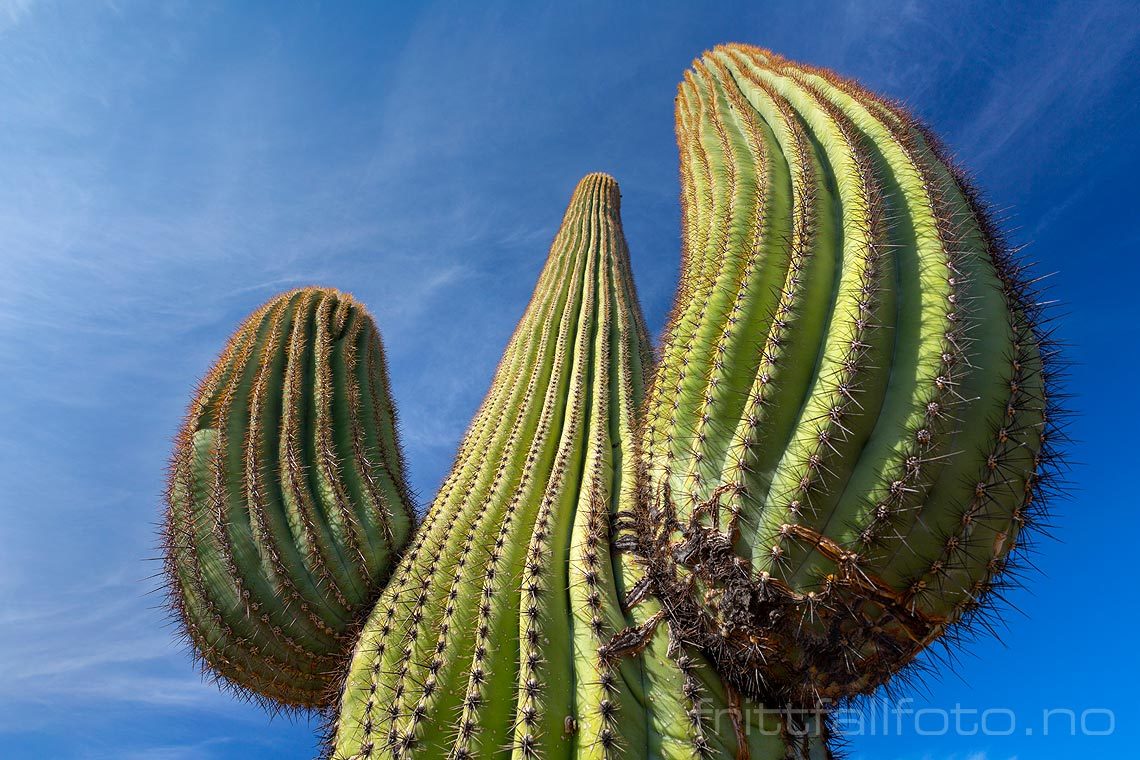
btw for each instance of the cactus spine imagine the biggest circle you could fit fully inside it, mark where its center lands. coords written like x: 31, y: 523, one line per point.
x: 286, y: 503
x: 492, y: 636
x: 850, y: 421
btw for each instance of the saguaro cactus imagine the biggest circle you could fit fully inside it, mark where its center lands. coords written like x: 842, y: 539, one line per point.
x: 850, y: 422
x: 493, y: 633
x: 848, y: 432
x: 287, y: 502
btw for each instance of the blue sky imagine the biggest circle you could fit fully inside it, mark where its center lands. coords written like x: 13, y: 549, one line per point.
x: 168, y: 166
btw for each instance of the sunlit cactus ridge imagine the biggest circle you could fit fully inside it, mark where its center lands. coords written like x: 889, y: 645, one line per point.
x: 287, y: 504
x: 492, y: 636
x: 851, y: 423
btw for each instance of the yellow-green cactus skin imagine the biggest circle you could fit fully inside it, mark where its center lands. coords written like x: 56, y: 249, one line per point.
x: 850, y: 420
x: 287, y: 506
x: 493, y: 636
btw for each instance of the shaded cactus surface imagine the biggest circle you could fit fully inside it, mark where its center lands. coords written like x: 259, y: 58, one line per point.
x: 287, y: 505
x: 491, y: 638
x: 850, y: 419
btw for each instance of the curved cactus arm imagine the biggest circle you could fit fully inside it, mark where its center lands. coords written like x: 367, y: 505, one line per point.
x: 287, y: 503
x: 495, y: 635
x: 853, y: 411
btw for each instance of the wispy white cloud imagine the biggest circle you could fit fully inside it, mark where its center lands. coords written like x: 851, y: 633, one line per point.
x: 13, y: 12
x: 207, y: 749
x: 95, y: 643
x: 1069, y: 66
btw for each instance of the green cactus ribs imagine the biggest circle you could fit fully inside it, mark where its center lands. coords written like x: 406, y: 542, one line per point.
x: 287, y: 504
x: 491, y: 637
x: 852, y: 424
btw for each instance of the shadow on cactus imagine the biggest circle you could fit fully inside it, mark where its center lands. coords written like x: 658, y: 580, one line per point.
x: 843, y: 444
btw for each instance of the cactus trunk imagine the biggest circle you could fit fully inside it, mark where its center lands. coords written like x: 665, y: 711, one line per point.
x: 287, y: 502
x: 850, y: 415
x: 492, y: 637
